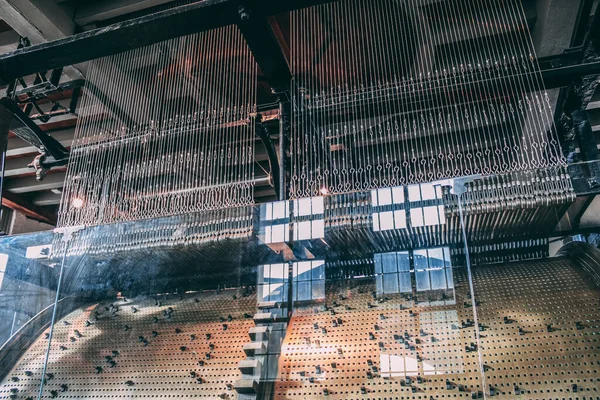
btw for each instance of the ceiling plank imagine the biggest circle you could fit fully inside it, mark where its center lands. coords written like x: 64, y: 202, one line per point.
x: 43, y: 199
x: 40, y: 21
x: 99, y: 11
x: 30, y: 184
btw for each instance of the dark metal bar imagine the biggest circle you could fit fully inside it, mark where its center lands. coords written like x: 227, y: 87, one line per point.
x: 265, y: 48
x: 45, y: 88
x: 581, y: 212
x: 263, y: 133
x: 179, y: 21
x: 581, y: 23
x: 563, y: 76
x: 284, y: 130
x: 29, y: 131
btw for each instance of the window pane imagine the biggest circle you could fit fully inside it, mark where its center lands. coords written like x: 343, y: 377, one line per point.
x: 374, y: 200
x: 389, y: 262
x: 302, y: 271
x: 436, y: 257
x: 318, y: 229
x: 318, y: 269
x: 385, y: 196
x: 280, y: 210
x: 274, y: 292
x: 438, y: 279
x: 379, y: 284
x: 405, y: 283
x: 278, y: 233
x: 378, y: 264
x: 449, y: 278
x: 420, y: 258
x: 438, y: 191
x: 303, y: 291
x: 278, y: 273
x: 260, y: 293
x: 390, y: 283
x: 318, y: 205
x: 431, y: 216
x: 304, y: 230
x: 376, y: 222
x: 414, y: 193
x: 416, y: 217
x: 386, y: 221
x: 400, y: 219
x: 427, y: 191
x: 398, y: 195
x: 303, y: 207
x: 422, y: 278
x: 261, y: 273
x: 318, y: 289
x: 269, y: 212
x: 403, y: 261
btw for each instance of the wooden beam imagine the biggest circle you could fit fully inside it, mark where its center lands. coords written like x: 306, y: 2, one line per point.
x: 26, y: 208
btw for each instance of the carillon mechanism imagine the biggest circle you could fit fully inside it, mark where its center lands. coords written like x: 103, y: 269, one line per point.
x: 415, y: 232
x: 391, y: 93
x: 193, y: 229
x: 164, y: 130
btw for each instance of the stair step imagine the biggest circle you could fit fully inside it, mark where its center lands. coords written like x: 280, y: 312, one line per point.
x: 267, y: 304
x: 255, y: 348
x: 248, y: 367
x: 246, y: 386
x: 258, y: 330
x: 263, y: 317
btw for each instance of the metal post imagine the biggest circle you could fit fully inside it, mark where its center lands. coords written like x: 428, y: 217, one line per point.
x: 67, y: 236
x: 459, y: 190
x: 284, y: 125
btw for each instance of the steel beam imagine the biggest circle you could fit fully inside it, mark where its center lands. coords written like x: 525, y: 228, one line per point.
x: 265, y: 48
x: 39, y: 21
x: 179, y: 21
x: 29, y: 131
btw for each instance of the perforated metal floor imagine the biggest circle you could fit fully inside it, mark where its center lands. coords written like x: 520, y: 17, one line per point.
x: 142, y: 351
x: 540, y: 326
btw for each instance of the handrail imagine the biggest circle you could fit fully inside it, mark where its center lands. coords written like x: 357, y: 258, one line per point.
x: 586, y: 256
x: 14, y: 347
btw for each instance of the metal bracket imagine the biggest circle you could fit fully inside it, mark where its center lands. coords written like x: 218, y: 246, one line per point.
x: 52, y: 152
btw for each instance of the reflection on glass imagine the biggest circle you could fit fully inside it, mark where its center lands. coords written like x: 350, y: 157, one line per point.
x: 272, y: 283
x: 309, y: 280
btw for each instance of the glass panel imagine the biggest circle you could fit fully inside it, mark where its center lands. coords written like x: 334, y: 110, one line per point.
x: 318, y: 270
x: 390, y: 283
x: 28, y: 290
x: 390, y: 263
x: 318, y: 290
x: 302, y: 271
x: 303, y: 291
x: 422, y: 278
x: 405, y: 283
